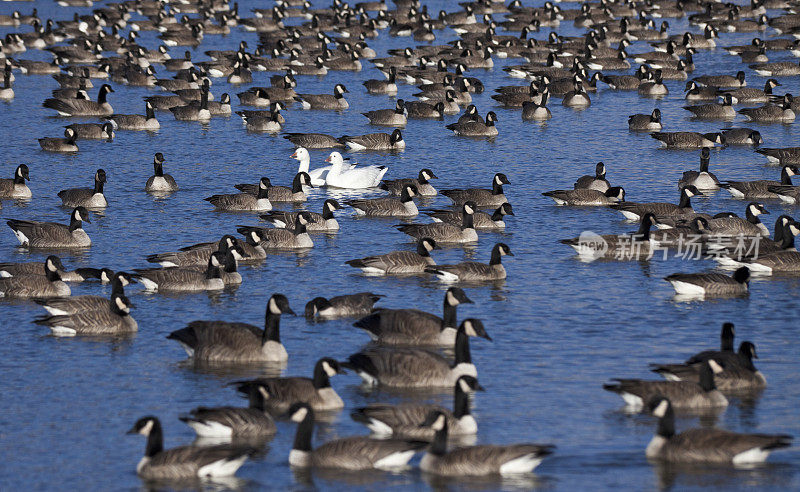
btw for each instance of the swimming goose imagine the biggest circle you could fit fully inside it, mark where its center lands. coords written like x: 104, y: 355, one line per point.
x: 759, y: 189
x: 482, y: 221
x: 389, y: 117
x: 770, y: 113
x: 82, y: 304
x: 160, y: 181
x: 35, y: 268
x: 597, y: 182
x: 536, y: 111
x: 707, y: 445
x: 185, y: 462
x: 487, y: 459
x: 655, y: 87
x: 234, y: 423
x: 695, y: 92
x: 710, y: 284
x: 348, y: 453
x: 136, y: 121
x: 742, y: 136
x: 443, y: 232
x: 752, y: 94
x: 714, y: 111
x: 388, y: 86
x: 66, y: 144
x: 482, y: 197
x: 751, y: 225
x: 485, y: 128
x: 414, y: 327
x: 229, y: 265
x: 165, y: 103
x: 688, y: 140
x: 320, y: 222
x: 222, y: 341
x: 191, y: 112
x: 219, y: 108
x: 317, y: 175
x: 419, y: 110
x: 354, y: 178
x: 257, y: 98
x: 703, y: 179
x: 423, y: 186
x: 787, y: 155
x: 244, y: 201
x: 114, y: 320
x: 374, y: 141
x: 739, y: 373
x: 83, y: 107
x: 634, y: 211
x: 637, y: 246
x: 777, y: 69
x: 587, y: 197
x: 7, y: 93
x: 398, y: 262
x: 471, y: 271
x: 93, y: 131
x: 722, y: 81
x: 287, y: 391
x: 184, y: 279
x: 645, y: 122
x: 86, y: 197
x: 295, y: 194
x: 387, y: 206
x: 404, y: 420
x: 38, y: 286
x: 726, y: 337
x: 34, y: 234
x: 349, y: 305
x: 686, y: 395
x: 324, y: 101
x: 15, y: 187
x: 577, y: 97
x: 284, y: 239
x: 787, y: 193
x: 418, y: 368
x: 196, y: 254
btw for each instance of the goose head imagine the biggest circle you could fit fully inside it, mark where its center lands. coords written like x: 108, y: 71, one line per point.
x: 454, y: 295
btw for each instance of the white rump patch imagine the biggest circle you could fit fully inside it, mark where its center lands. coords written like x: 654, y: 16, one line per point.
x: 524, y: 464
x: 755, y: 455
x: 63, y: 331
x: 394, y: 460
x: 686, y: 288
x: 222, y: 468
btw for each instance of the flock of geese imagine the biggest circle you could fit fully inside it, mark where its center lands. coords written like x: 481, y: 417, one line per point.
x: 405, y: 350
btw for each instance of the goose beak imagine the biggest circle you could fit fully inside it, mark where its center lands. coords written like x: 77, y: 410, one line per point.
x: 294, y: 155
x: 132, y: 431
x: 479, y: 388
x: 328, y: 159
x: 289, y: 311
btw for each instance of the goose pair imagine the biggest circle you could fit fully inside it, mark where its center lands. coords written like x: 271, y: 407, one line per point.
x: 403, y: 206
x: 83, y: 107
x: 318, y: 222
x: 637, y: 246
x: 15, y: 187
x: 421, y: 183
x: 244, y: 202
x: 295, y: 194
x: 317, y: 175
x: 398, y: 262
x: 194, y: 255
x: 52, y: 235
x: 86, y: 197
x: 283, y: 239
x: 112, y: 319
x: 93, y: 131
x: 759, y: 189
x: 78, y: 304
x: 353, y: 178
x: 227, y: 342
x: 473, y: 128
x: 471, y: 271
x: 36, y: 286
x: 186, y: 279
x: 446, y: 233
x: 418, y: 368
x: 482, y: 221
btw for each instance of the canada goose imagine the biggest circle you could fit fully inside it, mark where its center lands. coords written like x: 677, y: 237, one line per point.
x: 485, y: 128
x: 696, y: 92
x: 229, y: 265
x: 482, y: 221
x: 164, y: 103
x: 244, y: 201
x: 634, y: 211
x: 637, y: 246
x: 577, y: 97
x: 222, y: 341
x: 160, y: 181
x: 418, y: 368
x: 686, y: 395
x: 759, y: 189
x: 587, y: 197
x: 234, y: 423
x: 722, y: 81
x: 772, y: 113
x: 480, y: 460
x: 324, y: 101
x: 313, y: 140
x: 645, y: 122
x: 295, y: 194
x: 398, y: 262
x: 284, y: 239
x: 196, y: 254
x: 787, y: 155
x: 688, y: 140
x: 710, y: 284
x: 752, y: 94
x: 115, y: 320
x: 7, y: 93
x: 536, y: 111
x: 257, y: 98
x: 739, y: 373
x: 419, y: 110
x: 423, y: 186
x: 388, y: 86
x: 482, y: 197
x: 35, y: 268
x: 778, y: 69
x: 726, y: 337
x: 742, y: 136
x: 83, y: 107
x: 39, y: 286
x: 184, y: 279
x: 443, y: 232
x: 15, y: 187
x: 703, y: 179
x: 93, y: 131
x: 387, y: 206
x: 374, y: 141
x: 787, y: 193
x: 270, y: 124
x: 705, y: 445
x: 86, y: 197
x: 320, y: 222
x: 185, y: 462
x: 714, y: 111
x: 414, y: 327
x: 183, y: 37
x: 66, y: 144
x: 751, y: 225
x: 471, y: 271
x: 349, y: 453
x: 33, y: 234
x: 349, y: 305
x: 190, y: 112
x: 136, y: 121
x: 597, y: 182
x: 82, y: 304
x: 216, y: 108
x: 404, y: 420
x: 389, y: 117
x: 287, y: 391
x: 653, y: 88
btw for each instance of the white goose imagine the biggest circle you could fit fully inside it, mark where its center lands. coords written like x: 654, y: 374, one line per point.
x: 317, y: 175
x: 362, y: 177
